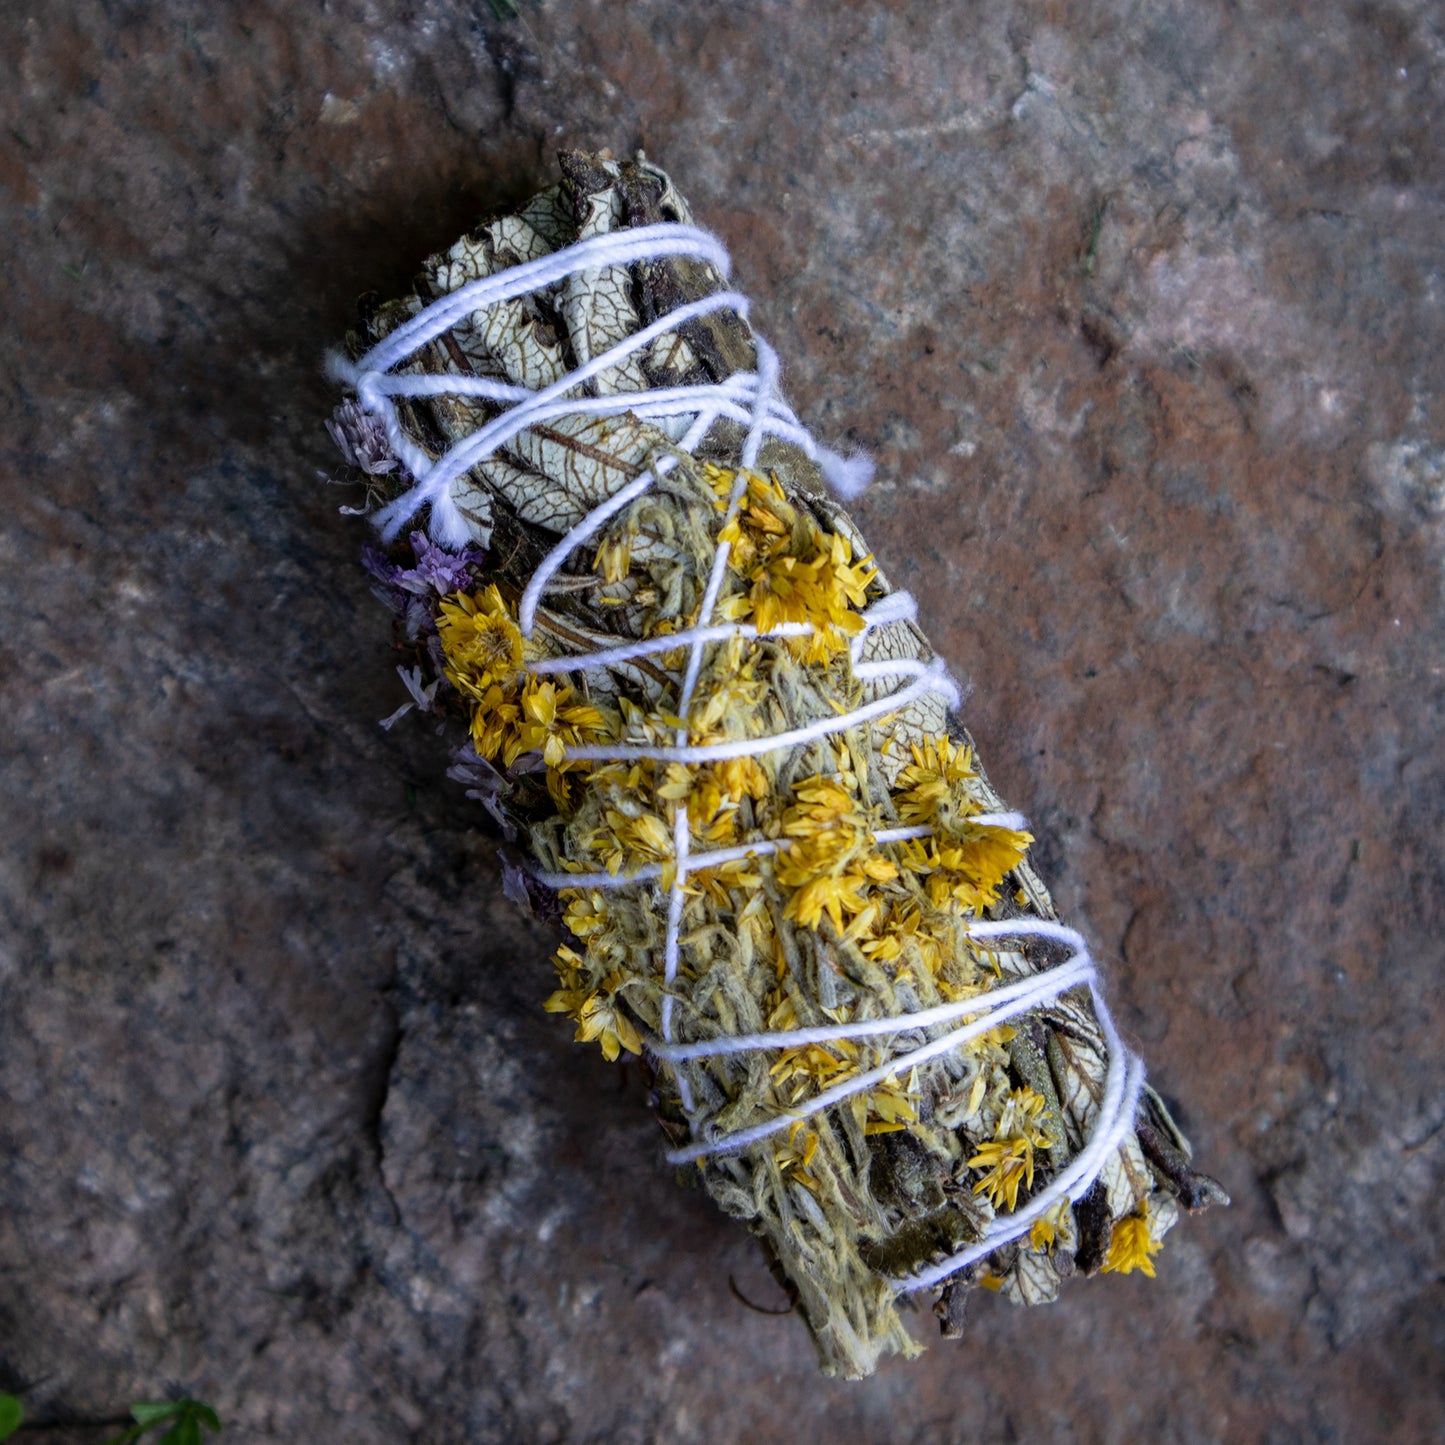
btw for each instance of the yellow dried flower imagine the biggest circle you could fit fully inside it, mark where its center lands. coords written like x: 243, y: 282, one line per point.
x: 799, y: 1071
x: 934, y: 787
x: 829, y: 860
x: 830, y: 896
x: 964, y: 870
x: 1133, y: 1246
x: 1046, y: 1227
x: 891, y: 1106
x: 480, y: 639
x: 794, y: 1157
x: 614, y: 558
x: 496, y: 725
x: 554, y: 722
x: 598, y: 1013
x: 1009, y: 1156
x: 1009, y: 1162
x: 512, y: 712
x: 765, y: 518
x: 795, y: 572
x: 1021, y: 1117
x: 586, y: 911
x: 631, y: 838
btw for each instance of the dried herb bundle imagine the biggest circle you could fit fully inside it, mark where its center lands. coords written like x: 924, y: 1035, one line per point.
x: 863, y: 870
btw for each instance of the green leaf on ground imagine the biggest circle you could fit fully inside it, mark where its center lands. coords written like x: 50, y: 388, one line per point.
x: 12, y: 1412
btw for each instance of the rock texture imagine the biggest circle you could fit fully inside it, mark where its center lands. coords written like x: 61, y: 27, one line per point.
x: 1139, y: 308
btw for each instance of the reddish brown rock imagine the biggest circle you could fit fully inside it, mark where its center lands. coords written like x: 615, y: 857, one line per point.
x: 1140, y: 313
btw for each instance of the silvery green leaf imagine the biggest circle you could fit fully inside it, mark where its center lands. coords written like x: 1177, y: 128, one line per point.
x: 1127, y: 1179
x: 596, y: 304
x: 1031, y: 1279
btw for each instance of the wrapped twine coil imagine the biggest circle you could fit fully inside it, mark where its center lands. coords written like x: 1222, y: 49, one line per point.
x: 735, y: 762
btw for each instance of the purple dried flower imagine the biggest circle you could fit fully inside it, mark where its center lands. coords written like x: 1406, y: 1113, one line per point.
x: 411, y: 593
x: 439, y: 570
x: 423, y: 695
x: 533, y: 897
x: 362, y: 441
x: 514, y: 884
x: 488, y: 785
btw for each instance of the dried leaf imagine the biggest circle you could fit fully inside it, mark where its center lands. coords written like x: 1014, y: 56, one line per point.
x: 1031, y: 1279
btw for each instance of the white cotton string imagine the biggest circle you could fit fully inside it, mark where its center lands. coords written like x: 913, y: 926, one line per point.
x: 769, y: 414
x: 981, y: 820
x: 895, y: 607
x: 995, y: 1004
x: 593, y: 522
x: 372, y: 399
x: 762, y: 848
x: 433, y: 487
x: 892, y: 667
x: 934, y: 678
x: 672, y: 642
x: 1002, y: 1003
x: 767, y: 381
x: 615, y: 248
x: 727, y: 399
x: 1016, y: 822
x: 1112, y: 1127
x: 413, y: 384
x: 672, y: 949
x: 682, y: 837
x: 751, y: 399
x: 1038, y: 991
x: 709, y: 601
x: 874, y: 616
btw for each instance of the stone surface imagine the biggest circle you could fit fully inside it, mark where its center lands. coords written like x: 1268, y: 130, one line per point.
x: 1139, y: 308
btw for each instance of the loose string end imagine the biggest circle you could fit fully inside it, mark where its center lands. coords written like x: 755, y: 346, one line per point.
x: 848, y: 476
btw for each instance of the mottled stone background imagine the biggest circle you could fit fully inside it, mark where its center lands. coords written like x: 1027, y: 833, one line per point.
x: 1139, y: 306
